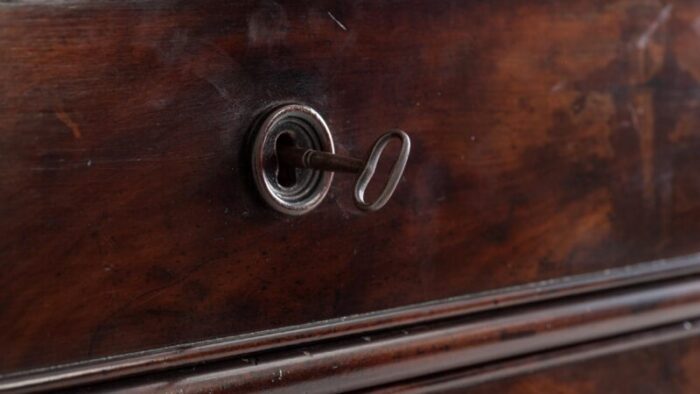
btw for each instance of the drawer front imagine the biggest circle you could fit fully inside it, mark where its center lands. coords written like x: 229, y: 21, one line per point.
x: 550, y: 138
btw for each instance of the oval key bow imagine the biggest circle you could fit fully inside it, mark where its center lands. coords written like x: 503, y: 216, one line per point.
x: 371, y: 166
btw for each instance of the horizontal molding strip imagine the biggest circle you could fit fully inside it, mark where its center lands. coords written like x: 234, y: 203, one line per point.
x: 458, y: 380
x: 395, y: 355
x: 224, y: 348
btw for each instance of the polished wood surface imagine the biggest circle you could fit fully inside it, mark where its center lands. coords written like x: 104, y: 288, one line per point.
x: 584, y: 307
x: 414, y: 351
x: 482, y: 378
x: 550, y: 138
x: 429, y: 315
x: 668, y: 368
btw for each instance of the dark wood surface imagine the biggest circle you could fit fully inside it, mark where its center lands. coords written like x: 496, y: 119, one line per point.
x: 182, y: 356
x: 370, y: 359
x: 668, y: 368
x: 550, y: 138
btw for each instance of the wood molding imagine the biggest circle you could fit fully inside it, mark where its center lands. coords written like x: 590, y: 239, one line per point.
x: 458, y: 380
x: 364, y: 361
x: 522, y: 302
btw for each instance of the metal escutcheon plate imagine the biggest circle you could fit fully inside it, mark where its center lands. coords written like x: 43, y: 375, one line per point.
x: 307, y: 129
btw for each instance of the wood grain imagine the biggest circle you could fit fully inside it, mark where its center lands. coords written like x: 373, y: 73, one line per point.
x: 364, y: 361
x: 619, y: 357
x: 551, y: 138
x: 466, y: 307
x: 668, y: 368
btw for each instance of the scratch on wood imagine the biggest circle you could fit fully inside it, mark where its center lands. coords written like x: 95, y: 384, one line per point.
x: 634, y: 117
x: 122, y: 164
x: 662, y: 18
x: 559, y: 86
x: 646, y: 146
x: 66, y: 119
x: 342, y: 26
x: 696, y: 25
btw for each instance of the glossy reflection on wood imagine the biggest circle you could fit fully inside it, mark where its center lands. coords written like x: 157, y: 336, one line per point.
x: 470, y: 342
x: 550, y: 138
x: 668, y: 368
x: 668, y: 372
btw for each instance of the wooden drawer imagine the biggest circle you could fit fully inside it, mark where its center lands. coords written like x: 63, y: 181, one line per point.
x: 550, y: 139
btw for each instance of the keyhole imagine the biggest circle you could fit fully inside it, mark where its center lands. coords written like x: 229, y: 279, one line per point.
x: 286, y: 175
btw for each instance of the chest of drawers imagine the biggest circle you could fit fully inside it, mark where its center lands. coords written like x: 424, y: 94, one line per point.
x: 548, y: 211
